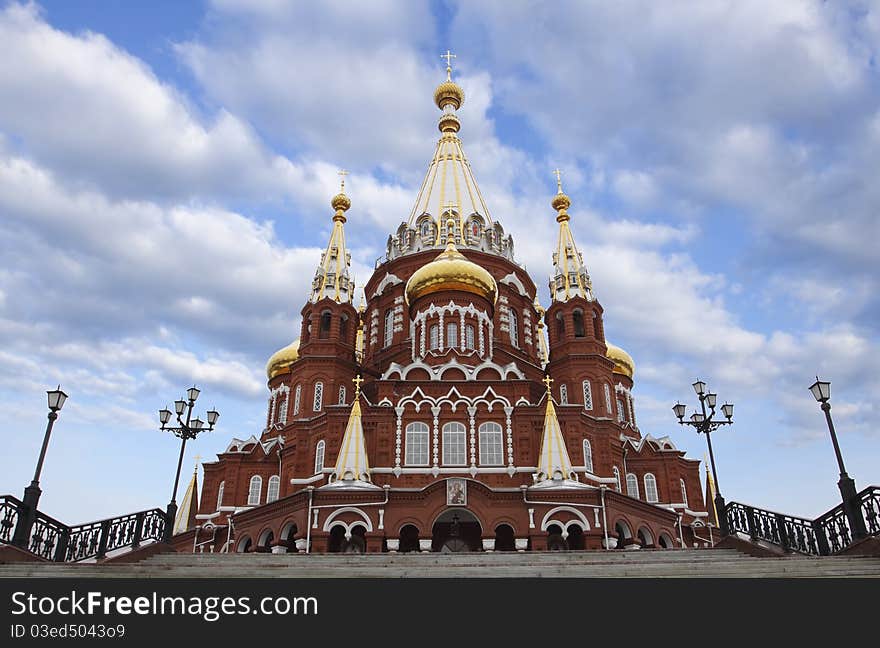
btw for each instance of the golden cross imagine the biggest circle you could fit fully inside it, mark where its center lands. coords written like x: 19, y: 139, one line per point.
x: 357, y: 380
x: 198, y: 458
x: 448, y: 56
x: 342, y: 173
x: 558, y: 175
x: 547, y: 381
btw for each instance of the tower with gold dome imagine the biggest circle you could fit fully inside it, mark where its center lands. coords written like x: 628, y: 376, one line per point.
x: 450, y: 410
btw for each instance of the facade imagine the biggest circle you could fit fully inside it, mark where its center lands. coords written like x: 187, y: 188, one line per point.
x: 450, y: 411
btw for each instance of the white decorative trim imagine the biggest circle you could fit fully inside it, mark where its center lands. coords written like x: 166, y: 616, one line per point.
x: 387, y: 280
x: 548, y: 519
x: 397, y: 371
x: 348, y: 527
x: 513, y: 280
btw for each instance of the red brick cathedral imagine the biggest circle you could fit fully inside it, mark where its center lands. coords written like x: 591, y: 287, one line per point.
x: 450, y: 411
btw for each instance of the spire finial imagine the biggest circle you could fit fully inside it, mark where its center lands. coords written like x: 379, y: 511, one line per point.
x: 357, y: 380
x: 558, y: 175
x: 547, y: 381
x: 198, y: 458
x: 448, y: 56
x: 342, y: 173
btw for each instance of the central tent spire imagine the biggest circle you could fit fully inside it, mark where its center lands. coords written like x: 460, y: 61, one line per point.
x: 570, y: 277
x: 332, y: 277
x: 449, y: 189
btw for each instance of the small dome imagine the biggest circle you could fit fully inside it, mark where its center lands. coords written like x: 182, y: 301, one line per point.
x: 623, y: 362
x: 448, y: 92
x: 340, y: 202
x: 282, y: 359
x: 561, y: 202
x: 451, y: 271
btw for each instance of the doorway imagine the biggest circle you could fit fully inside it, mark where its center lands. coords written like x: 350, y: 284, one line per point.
x: 456, y: 530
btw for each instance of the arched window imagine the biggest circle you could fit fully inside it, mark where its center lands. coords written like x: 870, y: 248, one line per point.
x: 588, y: 395
x: 319, y: 397
x: 578, y: 323
x: 254, y: 490
x: 684, y: 492
x: 469, y: 336
x: 324, y: 331
x: 563, y: 394
x: 607, y: 398
x: 342, y: 394
x: 297, y: 397
x: 343, y: 328
x: 389, y: 327
x: 560, y: 327
x: 621, y: 411
x: 319, y: 457
x: 588, y: 455
x: 282, y: 410
x: 617, y: 478
x: 272, y: 490
x: 434, y: 337
x: 451, y: 335
x: 454, y: 444
x: 220, y: 494
x: 651, y: 488
x: 632, y: 485
x: 514, y: 328
x: 417, y: 444
x: 491, y: 445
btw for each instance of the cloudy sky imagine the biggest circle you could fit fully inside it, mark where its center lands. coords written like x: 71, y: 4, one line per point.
x: 166, y: 168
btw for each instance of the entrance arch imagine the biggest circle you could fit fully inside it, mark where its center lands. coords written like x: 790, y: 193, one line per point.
x: 456, y: 530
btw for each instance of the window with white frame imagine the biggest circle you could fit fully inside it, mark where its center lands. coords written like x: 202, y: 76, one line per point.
x: 454, y: 444
x: 607, y: 398
x: 588, y: 455
x: 342, y: 394
x: 563, y: 394
x: 220, y: 494
x: 434, y: 337
x: 319, y: 397
x: 651, y: 489
x: 616, y: 472
x: 632, y: 485
x: 621, y: 413
x: 297, y: 397
x: 684, y: 492
x: 514, y: 328
x: 319, y: 457
x: 469, y: 336
x: 418, y: 443
x: 451, y: 335
x: 272, y: 488
x: 254, y: 490
x: 389, y: 327
x: 588, y: 395
x: 282, y: 411
x: 491, y: 444
x: 270, y: 417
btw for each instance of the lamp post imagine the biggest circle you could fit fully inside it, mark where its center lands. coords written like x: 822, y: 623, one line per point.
x: 822, y: 393
x: 187, y: 428
x: 32, y: 493
x: 704, y: 423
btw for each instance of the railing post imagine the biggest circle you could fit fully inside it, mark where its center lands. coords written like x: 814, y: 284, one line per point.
x: 138, y: 531
x: 102, y: 543
x: 783, y: 533
x: 61, y: 547
x: 22, y: 535
x: 750, y: 519
x: 821, y: 537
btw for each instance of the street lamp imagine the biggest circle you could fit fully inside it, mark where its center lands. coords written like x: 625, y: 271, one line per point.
x: 822, y: 393
x: 704, y: 423
x: 32, y: 493
x: 187, y: 428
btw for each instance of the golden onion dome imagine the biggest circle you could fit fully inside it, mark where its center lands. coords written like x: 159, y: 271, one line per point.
x: 449, y: 92
x: 451, y: 271
x: 623, y: 362
x: 561, y: 202
x: 281, y: 361
x: 340, y: 202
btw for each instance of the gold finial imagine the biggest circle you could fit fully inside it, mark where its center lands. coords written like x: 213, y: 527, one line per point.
x: 558, y: 175
x: 448, y: 56
x: 547, y: 381
x: 341, y: 202
x: 198, y: 458
x: 342, y: 173
x: 357, y: 380
x: 560, y: 201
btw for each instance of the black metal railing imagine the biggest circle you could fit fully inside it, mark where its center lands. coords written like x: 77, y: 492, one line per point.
x: 54, y: 540
x: 827, y: 534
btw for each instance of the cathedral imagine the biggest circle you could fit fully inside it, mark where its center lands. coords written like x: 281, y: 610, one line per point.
x: 449, y: 410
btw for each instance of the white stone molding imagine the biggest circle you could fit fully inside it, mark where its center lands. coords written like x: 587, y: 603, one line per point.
x: 396, y: 371
x: 329, y: 522
x: 387, y: 280
x: 489, y: 544
x: 521, y: 544
x: 393, y: 544
x: 581, y: 520
x: 425, y: 545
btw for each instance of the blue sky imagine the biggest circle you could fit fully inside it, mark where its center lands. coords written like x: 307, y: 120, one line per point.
x: 166, y: 170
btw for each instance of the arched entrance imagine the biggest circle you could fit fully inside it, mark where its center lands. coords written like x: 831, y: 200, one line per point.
x: 456, y: 530
x: 409, y: 539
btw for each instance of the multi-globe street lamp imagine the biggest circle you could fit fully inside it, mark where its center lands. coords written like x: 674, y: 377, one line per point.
x: 32, y: 493
x: 822, y: 393
x: 704, y: 423
x: 187, y: 428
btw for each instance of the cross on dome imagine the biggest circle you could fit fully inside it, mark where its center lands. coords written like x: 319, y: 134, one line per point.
x: 357, y: 380
x: 547, y: 381
x: 448, y: 56
x: 342, y: 173
x: 558, y: 175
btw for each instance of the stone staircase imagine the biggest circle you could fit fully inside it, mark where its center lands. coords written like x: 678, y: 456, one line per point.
x: 687, y: 563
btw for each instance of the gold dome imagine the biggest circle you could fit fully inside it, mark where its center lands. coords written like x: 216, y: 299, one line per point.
x: 623, y: 362
x: 561, y: 202
x: 282, y: 359
x: 449, y: 123
x: 340, y: 202
x: 451, y: 271
x: 448, y: 92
